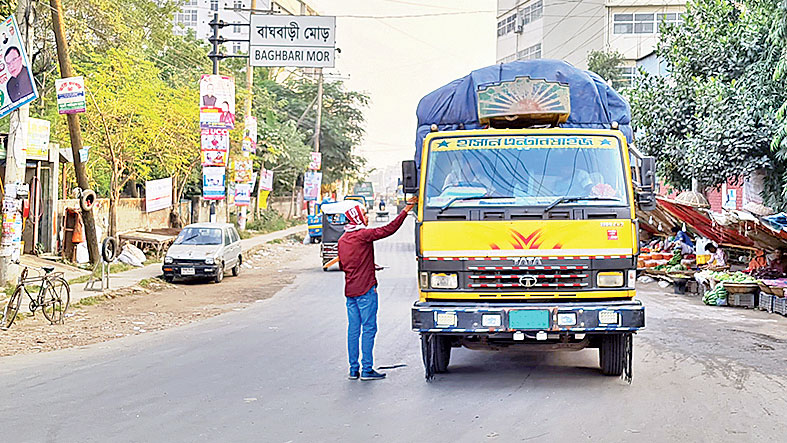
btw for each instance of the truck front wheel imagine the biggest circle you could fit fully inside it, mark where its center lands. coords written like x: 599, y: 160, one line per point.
x: 612, y: 354
x: 439, y: 348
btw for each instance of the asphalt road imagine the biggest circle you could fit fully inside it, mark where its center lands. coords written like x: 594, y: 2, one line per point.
x: 275, y: 372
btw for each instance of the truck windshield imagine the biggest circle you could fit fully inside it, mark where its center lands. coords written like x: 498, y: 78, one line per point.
x: 531, y: 170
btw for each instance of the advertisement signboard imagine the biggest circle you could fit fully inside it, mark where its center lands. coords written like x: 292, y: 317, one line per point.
x: 311, y: 185
x: 216, y: 102
x: 242, y: 194
x: 266, y: 180
x: 70, y: 95
x: 316, y: 161
x: 249, y: 145
x: 243, y: 171
x: 37, y: 139
x: 213, y: 179
x: 292, y: 41
x: 17, y: 86
x: 158, y: 194
x: 215, y: 146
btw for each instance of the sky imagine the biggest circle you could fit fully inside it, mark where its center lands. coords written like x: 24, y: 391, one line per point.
x: 396, y: 61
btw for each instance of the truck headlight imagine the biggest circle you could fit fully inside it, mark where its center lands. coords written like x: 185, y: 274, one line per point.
x: 609, y: 279
x: 608, y: 318
x: 168, y: 260
x: 441, y: 280
x: 210, y: 261
x: 423, y: 280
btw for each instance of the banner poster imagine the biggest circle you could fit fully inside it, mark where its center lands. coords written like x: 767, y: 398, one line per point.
x: 16, y: 81
x: 311, y: 185
x: 215, y: 147
x: 243, y: 171
x: 262, y: 199
x: 316, y: 161
x: 217, y: 102
x: 213, y: 182
x: 266, y: 180
x: 70, y: 95
x: 249, y: 145
x: 242, y: 194
x: 37, y: 139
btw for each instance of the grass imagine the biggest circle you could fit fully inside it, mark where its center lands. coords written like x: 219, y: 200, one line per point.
x: 90, y: 301
x: 114, y: 268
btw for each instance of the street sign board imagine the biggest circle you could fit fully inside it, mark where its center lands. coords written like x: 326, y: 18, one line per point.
x: 158, y: 194
x: 300, y: 41
x: 37, y: 139
x: 70, y: 95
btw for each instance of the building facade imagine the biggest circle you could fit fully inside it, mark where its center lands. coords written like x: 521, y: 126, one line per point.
x: 196, y: 15
x: 570, y: 29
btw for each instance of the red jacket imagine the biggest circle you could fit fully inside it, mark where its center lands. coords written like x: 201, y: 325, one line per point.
x: 356, y: 256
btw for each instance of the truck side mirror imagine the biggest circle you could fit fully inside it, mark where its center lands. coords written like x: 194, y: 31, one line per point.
x: 646, y: 196
x: 409, y: 177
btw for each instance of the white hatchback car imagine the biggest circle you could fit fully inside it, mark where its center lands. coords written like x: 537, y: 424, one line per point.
x: 204, y: 250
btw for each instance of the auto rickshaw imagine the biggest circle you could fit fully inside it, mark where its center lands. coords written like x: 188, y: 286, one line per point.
x: 315, y: 222
x: 333, y: 221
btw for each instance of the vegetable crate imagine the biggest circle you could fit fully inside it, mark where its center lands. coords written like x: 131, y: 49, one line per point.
x: 780, y: 305
x: 740, y: 299
x: 766, y: 302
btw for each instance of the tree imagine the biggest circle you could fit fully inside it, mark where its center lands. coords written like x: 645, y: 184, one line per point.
x: 606, y: 64
x: 712, y: 118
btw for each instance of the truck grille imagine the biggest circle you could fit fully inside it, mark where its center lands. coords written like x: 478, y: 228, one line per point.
x: 528, y: 277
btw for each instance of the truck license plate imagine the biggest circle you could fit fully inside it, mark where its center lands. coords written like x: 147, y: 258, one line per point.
x: 529, y: 319
x: 187, y: 271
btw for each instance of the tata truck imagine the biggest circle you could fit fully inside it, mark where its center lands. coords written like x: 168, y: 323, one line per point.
x: 526, y: 234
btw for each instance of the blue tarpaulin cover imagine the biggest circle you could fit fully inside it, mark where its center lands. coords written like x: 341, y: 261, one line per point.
x: 594, y: 104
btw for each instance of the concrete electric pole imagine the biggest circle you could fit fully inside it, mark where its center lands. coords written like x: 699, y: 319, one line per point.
x: 15, y: 151
x: 74, y: 129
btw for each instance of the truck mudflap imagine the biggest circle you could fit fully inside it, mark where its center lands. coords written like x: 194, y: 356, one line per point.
x: 603, y: 317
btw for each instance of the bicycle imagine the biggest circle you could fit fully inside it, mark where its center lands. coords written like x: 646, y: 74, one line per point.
x: 53, y: 297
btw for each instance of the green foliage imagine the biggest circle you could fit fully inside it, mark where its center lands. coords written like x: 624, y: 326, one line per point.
x: 606, y: 64
x: 270, y: 221
x: 713, y: 118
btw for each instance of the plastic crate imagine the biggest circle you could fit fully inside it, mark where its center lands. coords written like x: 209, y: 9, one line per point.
x: 780, y: 305
x: 765, y: 302
x: 741, y: 299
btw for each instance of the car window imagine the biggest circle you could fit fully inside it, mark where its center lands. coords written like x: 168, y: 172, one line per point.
x: 234, y: 235
x: 199, y: 236
x: 227, y: 237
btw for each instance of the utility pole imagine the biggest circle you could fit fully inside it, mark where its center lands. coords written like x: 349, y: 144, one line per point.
x: 74, y: 128
x: 17, y: 143
x: 249, y: 79
x: 318, y: 118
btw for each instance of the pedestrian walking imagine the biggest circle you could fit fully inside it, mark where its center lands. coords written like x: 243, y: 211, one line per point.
x: 356, y: 259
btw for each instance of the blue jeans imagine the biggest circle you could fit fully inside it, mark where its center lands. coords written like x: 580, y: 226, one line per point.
x: 362, y: 312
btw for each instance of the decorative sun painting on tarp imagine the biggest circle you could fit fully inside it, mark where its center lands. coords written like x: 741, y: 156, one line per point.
x: 523, y: 95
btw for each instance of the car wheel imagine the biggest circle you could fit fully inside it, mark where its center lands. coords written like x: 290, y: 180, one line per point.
x: 236, y: 268
x: 219, y: 274
x: 169, y: 278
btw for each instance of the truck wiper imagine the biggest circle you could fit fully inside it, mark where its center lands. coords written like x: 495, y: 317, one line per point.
x: 456, y: 199
x: 560, y: 200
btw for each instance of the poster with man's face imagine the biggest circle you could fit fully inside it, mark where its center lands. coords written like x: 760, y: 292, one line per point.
x: 17, y: 86
x: 216, y: 102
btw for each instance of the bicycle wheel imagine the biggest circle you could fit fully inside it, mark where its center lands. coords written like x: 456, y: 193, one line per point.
x: 57, y: 295
x: 11, y: 309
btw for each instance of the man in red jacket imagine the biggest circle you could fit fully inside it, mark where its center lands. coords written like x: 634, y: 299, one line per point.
x: 356, y: 258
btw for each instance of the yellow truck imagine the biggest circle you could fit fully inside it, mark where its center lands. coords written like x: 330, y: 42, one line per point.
x: 526, y: 232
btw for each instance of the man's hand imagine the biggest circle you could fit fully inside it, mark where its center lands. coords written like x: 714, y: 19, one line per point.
x: 411, y: 203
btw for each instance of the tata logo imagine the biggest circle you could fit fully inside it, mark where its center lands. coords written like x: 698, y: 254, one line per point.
x: 528, y: 281
x: 527, y: 261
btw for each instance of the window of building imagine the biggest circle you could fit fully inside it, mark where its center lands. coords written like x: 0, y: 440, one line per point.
x: 634, y: 23
x: 530, y: 53
x: 533, y: 11
x: 506, y: 25
x: 626, y: 79
x: 214, y: 5
x: 238, y: 4
x: 235, y: 47
x: 237, y: 29
x: 187, y: 17
x: 669, y: 18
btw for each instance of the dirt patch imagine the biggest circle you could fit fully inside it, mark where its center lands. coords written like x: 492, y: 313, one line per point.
x: 155, y: 305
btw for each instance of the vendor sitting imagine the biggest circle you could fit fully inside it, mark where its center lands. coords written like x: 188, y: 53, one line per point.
x: 682, y: 240
x: 718, y: 259
x: 758, y: 262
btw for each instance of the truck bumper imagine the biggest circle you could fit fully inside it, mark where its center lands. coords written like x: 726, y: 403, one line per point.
x: 587, y: 317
